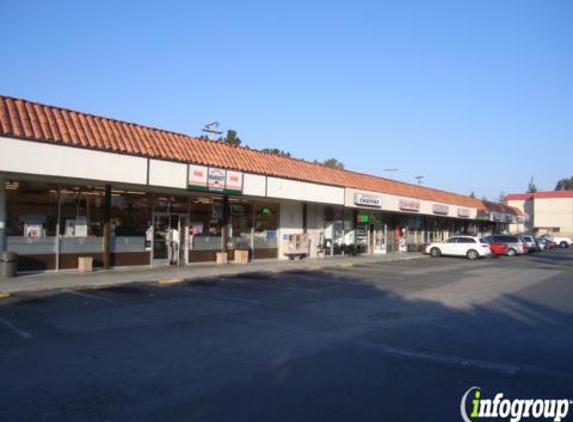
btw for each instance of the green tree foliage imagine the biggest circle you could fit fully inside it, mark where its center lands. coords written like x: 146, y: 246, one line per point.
x: 231, y: 138
x: 277, y: 151
x: 531, y: 188
x: 472, y: 194
x: 333, y: 163
x: 565, y: 184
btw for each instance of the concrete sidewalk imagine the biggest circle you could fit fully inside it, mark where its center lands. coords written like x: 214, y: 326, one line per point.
x: 105, y: 278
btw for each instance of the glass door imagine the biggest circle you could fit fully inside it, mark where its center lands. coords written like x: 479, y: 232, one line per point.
x: 169, y: 240
x: 161, y: 239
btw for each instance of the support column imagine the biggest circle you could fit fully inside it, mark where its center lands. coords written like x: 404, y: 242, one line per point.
x: 225, y: 233
x: 305, y: 218
x: 3, y: 216
x: 107, y: 228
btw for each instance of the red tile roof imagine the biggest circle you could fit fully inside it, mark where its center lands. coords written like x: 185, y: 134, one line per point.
x: 33, y: 121
x: 540, y: 195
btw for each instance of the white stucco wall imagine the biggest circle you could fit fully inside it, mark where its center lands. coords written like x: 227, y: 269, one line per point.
x: 254, y: 185
x: 54, y: 160
x: 290, y: 221
x: 554, y: 212
x: 303, y: 191
x: 168, y: 174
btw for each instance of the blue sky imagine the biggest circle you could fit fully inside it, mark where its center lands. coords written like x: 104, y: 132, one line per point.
x: 474, y: 95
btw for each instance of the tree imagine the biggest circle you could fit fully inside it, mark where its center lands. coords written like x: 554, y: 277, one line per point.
x: 333, y: 163
x: 501, y: 197
x: 277, y: 151
x: 531, y: 188
x: 565, y: 184
x: 472, y: 194
x: 231, y: 138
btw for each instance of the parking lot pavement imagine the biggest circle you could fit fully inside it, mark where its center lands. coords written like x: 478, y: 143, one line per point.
x: 400, y: 341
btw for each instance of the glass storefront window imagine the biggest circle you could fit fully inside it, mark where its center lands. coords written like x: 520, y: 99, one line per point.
x: 130, y: 221
x: 32, y: 215
x: 205, y: 222
x: 82, y: 219
x: 241, y: 220
x: 266, y: 226
x: 82, y: 210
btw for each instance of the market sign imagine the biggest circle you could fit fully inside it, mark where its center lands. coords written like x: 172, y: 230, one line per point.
x: 367, y: 200
x: 463, y: 212
x: 440, y: 209
x: 215, y: 179
x: 409, y: 205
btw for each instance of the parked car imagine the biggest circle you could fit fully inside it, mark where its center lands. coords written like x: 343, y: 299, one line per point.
x: 545, y: 243
x: 498, y: 249
x: 515, y: 245
x: 562, y: 242
x: 529, y: 241
x: 468, y: 246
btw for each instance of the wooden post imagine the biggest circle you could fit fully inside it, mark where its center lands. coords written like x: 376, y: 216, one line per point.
x: 225, y: 233
x: 107, y: 227
x: 305, y: 217
x: 2, y: 215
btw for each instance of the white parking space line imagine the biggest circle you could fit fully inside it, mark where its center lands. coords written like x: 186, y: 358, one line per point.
x: 91, y: 297
x: 22, y: 333
x: 216, y: 296
x: 445, y: 360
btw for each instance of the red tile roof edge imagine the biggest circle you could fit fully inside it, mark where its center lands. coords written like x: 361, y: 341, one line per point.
x: 90, y: 131
x: 545, y: 195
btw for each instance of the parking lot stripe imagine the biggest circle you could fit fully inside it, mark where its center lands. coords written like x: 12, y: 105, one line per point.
x: 275, y: 283
x: 91, y: 297
x: 23, y: 334
x: 445, y: 360
x: 216, y: 296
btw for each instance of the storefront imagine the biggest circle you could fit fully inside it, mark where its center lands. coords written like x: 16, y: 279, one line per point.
x: 76, y: 185
x: 50, y: 225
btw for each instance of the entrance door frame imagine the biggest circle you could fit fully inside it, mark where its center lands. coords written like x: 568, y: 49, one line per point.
x: 182, y: 228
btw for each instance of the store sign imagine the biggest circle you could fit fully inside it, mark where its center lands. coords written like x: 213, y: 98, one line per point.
x: 520, y: 219
x: 409, y: 205
x: 496, y: 216
x: 463, y: 212
x: 215, y: 179
x: 508, y: 218
x: 366, y: 200
x: 440, y: 209
x: 197, y: 176
x: 234, y: 182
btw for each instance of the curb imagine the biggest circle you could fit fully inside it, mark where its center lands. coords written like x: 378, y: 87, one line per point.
x: 171, y: 280
x: 318, y: 266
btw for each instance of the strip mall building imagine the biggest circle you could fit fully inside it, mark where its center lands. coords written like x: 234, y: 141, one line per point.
x: 74, y: 184
x: 545, y: 212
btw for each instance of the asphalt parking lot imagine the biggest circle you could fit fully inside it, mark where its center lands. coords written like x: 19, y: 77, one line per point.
x: 398, y: 341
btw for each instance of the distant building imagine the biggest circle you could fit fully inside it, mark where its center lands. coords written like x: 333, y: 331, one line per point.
x: 545, y: 212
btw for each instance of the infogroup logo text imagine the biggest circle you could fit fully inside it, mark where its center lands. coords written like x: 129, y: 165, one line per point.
x: 513, y: 409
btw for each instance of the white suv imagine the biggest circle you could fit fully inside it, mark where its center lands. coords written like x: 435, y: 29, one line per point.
x: 468, y: 246
x: 562, y: 242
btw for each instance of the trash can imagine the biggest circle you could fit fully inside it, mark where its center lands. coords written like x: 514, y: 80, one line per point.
x: 8, y: 264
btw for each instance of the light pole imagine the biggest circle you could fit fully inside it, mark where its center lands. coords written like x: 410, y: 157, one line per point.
x: 391, y: 171
x: 419, y: 178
